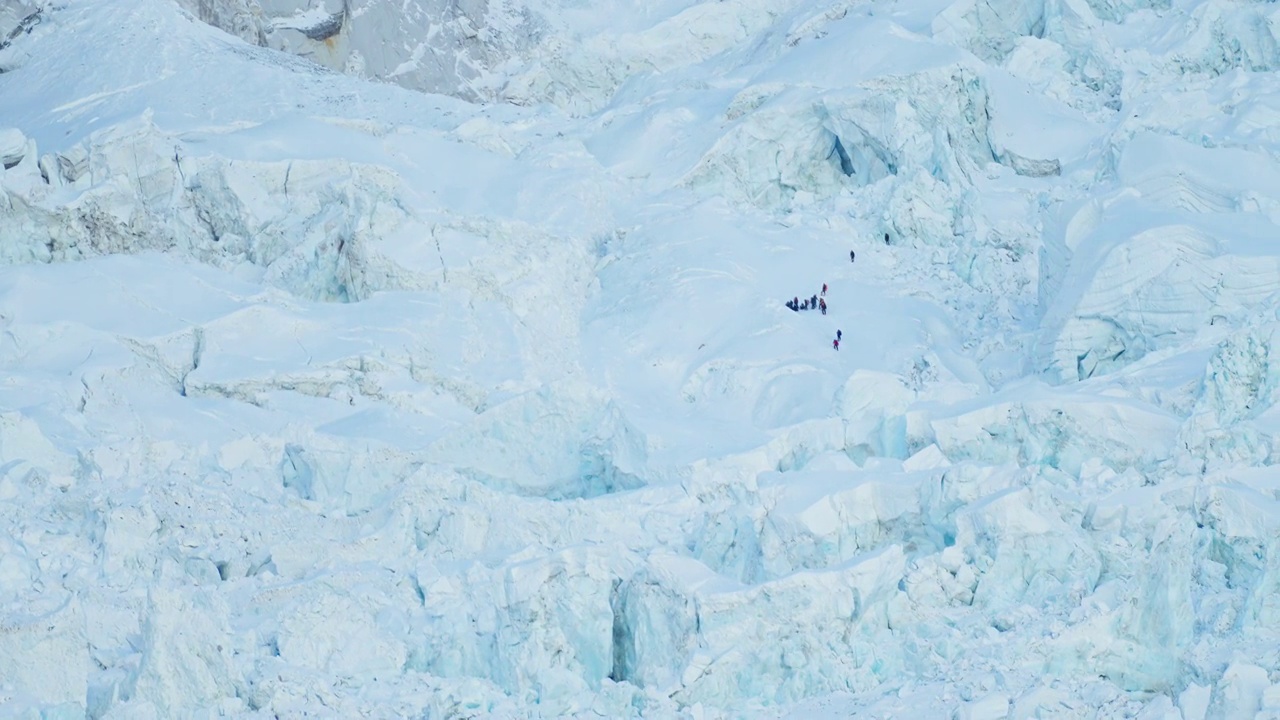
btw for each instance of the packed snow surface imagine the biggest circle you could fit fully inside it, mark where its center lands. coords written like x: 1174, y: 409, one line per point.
x: 430, y: 359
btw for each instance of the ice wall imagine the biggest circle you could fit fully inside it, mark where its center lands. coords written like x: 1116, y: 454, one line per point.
x: 1180, y: 247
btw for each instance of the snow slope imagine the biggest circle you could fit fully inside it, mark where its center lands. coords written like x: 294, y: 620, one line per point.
x: 324, y: 396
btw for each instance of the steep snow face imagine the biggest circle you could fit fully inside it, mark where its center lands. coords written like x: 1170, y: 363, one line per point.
x: 323, y: 396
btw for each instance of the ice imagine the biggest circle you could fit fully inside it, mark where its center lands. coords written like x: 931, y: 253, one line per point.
x: 1194, y: 701
x: 13, y: 147
x: 183, y: 665
x: 989, y: 707
x: 1061, y: 433
x: 44, y: 657
x: 1240, y: 694
x: 1150, y: 279
x: 914, y: 105
x: 338, y: 397
x: 1035, y: 135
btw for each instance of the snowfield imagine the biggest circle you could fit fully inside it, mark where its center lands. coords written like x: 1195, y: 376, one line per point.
x: 426, y: 359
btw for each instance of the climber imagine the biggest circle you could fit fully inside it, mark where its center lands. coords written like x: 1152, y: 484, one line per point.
x: 813, y: 301
x: 824, y: 289
x: 839, y: 335
x: 851, y: 256
x: 836, y: 343
x: 886, y: 238
x: 822, y: 305
x: 795, y: 301
x: 792, y: 306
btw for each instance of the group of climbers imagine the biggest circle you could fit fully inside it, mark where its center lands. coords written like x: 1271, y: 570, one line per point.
x: 811, y: 303
x: 818, y: 302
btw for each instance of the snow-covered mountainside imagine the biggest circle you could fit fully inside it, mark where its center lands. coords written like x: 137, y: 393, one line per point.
x: 326, y: 396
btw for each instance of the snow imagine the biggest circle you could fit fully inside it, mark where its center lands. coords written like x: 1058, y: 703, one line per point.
x: 472, y: 393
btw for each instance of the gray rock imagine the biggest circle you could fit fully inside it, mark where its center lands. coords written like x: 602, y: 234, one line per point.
x: 1030, y: 167
x: 242, y: 18
x: 443, y: 46
x: 17, y: 17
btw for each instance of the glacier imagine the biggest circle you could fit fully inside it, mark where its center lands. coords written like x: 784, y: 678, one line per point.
x: 430, y: 359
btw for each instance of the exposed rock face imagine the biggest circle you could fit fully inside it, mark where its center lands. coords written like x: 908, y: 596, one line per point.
x: 17, y: 18
x: 491, y: 50
x: 439, y: 46
x: 242, y: 18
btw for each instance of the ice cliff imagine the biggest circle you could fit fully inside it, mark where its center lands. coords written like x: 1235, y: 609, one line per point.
x: 473, y: 394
